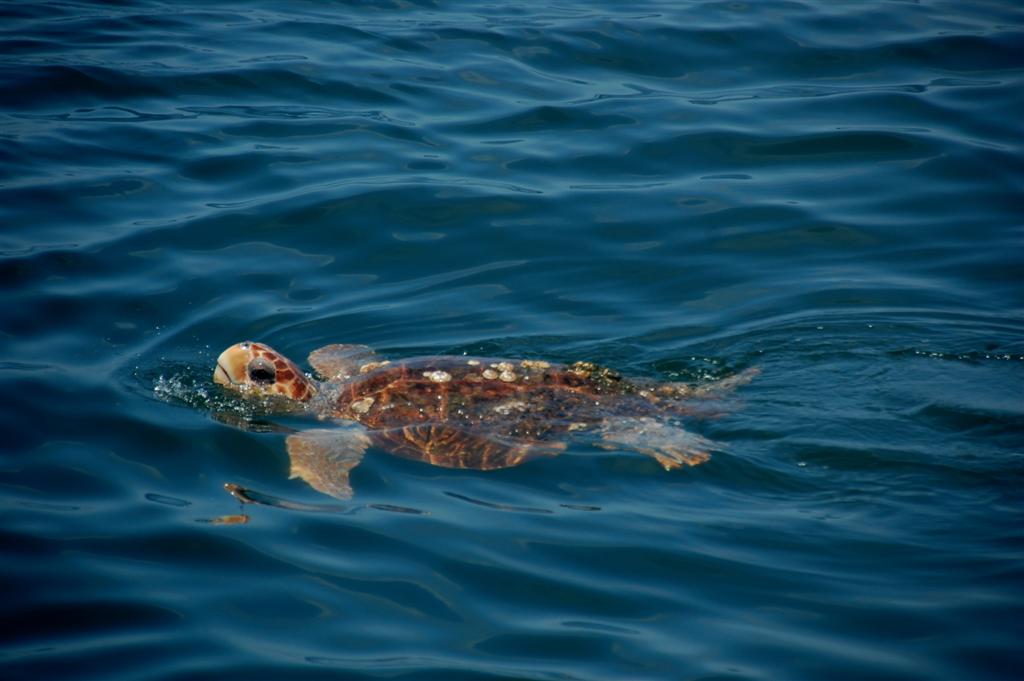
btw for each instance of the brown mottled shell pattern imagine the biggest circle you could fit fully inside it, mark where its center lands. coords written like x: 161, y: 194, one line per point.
x: 473, y: 412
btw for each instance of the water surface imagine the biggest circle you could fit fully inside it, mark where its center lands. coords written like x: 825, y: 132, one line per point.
x: 678, y: 190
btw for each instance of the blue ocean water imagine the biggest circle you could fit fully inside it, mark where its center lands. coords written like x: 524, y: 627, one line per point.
x: 830, y: 192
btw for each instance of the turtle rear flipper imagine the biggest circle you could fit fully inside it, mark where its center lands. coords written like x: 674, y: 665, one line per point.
x: 672, y: 446
x: 323, y: 457
x: 709, y: 400
x: 724, y: 386
x: 341, y: 361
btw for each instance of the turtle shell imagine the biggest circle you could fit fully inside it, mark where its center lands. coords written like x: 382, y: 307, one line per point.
x: 483, y: 413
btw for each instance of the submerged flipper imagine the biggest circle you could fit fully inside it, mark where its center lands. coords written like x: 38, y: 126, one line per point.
x: 708, y: 400
x: 249, y: 423
x: 323, y: 458
x: 724, y: 386
x: 340, y: 361
x: 672, y: 446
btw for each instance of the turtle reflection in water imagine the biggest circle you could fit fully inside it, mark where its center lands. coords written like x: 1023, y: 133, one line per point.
x: 464, y: 412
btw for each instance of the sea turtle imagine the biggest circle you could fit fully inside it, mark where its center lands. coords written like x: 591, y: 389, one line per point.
x: 463, y: 412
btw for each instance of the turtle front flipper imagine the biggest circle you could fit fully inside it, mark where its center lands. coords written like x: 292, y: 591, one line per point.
x: 341, y: 361
x: 323, y: 458
x: 672, y: 446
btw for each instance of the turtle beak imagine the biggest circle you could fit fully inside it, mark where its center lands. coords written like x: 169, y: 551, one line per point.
x: 221, y: 376
x: 230, y: 369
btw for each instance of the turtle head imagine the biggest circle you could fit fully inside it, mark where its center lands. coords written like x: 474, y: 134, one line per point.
x: 257, y: 369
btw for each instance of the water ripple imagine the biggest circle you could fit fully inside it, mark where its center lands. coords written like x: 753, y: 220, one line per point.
x: 680, y: 191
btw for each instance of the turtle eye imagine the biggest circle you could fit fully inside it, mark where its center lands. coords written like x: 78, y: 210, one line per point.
x: 261, y: 371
